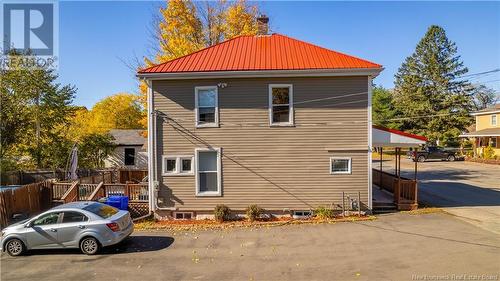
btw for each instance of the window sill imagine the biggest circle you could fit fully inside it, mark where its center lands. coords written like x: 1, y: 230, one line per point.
x: 177, y: 174
x: 282, y: 125
x: 340, y: 173
x: 209, y: 194
x: 207, y: 126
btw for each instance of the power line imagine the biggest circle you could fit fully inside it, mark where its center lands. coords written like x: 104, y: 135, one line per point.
x: 480, y: 73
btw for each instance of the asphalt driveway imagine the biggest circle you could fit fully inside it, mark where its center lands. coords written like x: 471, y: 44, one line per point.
x: 470, y: 191
x: 394, y: 247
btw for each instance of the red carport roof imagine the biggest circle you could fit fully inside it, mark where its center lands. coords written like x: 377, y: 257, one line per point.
x: 253, y: 53
x: 401, y: 133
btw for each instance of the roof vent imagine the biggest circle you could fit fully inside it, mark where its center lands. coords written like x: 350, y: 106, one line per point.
x: 262, y: 25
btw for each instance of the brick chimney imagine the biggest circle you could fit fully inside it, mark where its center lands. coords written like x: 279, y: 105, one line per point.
x: 262, y: 25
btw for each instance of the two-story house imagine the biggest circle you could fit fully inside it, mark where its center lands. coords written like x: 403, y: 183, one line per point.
x: 265, y: 119
x: 487, y: 130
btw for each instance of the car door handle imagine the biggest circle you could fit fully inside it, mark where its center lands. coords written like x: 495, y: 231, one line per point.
x: 81, y: 226
x: 53, y: 230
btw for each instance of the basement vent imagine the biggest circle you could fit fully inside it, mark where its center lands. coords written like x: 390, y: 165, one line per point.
x: 302, y: 214
x: 183, y: 215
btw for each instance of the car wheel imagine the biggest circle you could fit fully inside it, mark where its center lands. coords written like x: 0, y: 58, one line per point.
x: 451, y: 158
x: 89, y: 246
x: 15, y: 247
x: 421, y: 158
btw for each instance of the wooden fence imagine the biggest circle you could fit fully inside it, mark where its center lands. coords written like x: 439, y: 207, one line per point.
x: 132, y: 175
x: 28, y: 200
x: 404, y: 190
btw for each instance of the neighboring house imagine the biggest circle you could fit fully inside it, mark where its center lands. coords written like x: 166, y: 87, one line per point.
x: 266, y: 119
x: 130, y: 151
x: 487, y: 130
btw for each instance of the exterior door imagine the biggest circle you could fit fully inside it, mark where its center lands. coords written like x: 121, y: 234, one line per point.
x: 72, y: 224
x: 43, y: 231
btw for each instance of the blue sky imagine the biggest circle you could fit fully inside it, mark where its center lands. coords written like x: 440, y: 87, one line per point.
x: 98, y: 39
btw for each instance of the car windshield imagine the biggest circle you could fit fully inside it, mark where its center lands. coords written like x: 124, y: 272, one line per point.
x: 102, y: 210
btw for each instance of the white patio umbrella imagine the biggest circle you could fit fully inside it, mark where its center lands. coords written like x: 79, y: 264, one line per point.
x: 73, y: 164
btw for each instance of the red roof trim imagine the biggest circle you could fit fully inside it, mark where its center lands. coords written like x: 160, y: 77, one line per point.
x: 397, y: 132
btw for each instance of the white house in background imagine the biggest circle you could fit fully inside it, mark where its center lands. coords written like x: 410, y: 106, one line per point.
x: 130, y: 151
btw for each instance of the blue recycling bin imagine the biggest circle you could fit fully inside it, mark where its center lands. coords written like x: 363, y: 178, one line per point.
x: 119, y: 202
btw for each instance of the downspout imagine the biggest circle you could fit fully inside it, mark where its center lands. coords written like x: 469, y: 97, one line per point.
x: 153, y: 184
x: 370, y: 144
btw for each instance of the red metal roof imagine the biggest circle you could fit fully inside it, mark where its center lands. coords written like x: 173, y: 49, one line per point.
x: 251, y: 53
x: 397, y: 132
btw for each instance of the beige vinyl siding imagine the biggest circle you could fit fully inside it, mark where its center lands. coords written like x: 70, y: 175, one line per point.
x: 275, y: 167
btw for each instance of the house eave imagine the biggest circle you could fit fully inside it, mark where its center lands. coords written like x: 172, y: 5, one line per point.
x: 485, y: 112
x: 372, y: 72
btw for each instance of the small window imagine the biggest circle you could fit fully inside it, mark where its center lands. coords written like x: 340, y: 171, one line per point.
x: 494, y: 120
x: 177, y: 165
x: 129, y: 156
x: 47, y: 219
x: 281, y: 105
x: 207, y: 111
x: 69, y: 217
x: 208, y: 176
x: 186, y: 165
x: 170, y: 165
x: 183, y: 215
x: 340, y: 165
x: 493, y: 142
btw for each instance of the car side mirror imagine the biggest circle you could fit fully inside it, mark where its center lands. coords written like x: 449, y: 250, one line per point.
x: 28, y: 225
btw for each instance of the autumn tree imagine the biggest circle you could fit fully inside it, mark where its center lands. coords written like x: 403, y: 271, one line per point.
x: 429, y: 90
x: 184, y: 27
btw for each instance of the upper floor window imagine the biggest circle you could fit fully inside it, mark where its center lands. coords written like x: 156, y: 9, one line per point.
x: 281, y: 105
x: 129, y: 156
x: 207, y: 107
x: 493, y: 120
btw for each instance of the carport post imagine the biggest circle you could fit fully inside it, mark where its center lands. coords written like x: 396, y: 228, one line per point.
x: 415, y: 176
x: 380, y: 174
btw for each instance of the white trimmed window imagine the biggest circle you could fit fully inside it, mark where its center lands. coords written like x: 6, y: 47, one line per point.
x: 177, y: 165
x: 281, y: 105
x: 340, y: 165
x: 493, y: 120
x: 207, y: 106
x: 208, y: 172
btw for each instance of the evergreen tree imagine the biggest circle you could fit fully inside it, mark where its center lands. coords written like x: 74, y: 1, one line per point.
x: 428, y: 84
x: 383, y: 109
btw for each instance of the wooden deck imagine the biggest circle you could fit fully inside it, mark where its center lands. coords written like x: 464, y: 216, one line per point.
x: 404, y: 190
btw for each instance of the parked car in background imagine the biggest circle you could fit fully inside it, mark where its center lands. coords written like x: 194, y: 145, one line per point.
x: 433, y: 153
x: 86, y: 225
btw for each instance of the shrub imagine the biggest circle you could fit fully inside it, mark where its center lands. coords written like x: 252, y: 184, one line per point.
x: 323, y: 213
x: 489, y: 152
x: 253, y: 212
x: 222, y: 213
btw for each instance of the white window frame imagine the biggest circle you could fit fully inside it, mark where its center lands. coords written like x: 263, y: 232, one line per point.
x: 494, y: 116
x: 178, y: 165
x: 343, y: 172
x: 219, y: 172
x: 290, y: 106
x: 174, y: 215
x: 191, y: 171
x: 197, y: 117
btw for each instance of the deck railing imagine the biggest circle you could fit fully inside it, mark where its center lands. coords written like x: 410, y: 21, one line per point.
x: 135, y: 191
x: 404, y: 190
